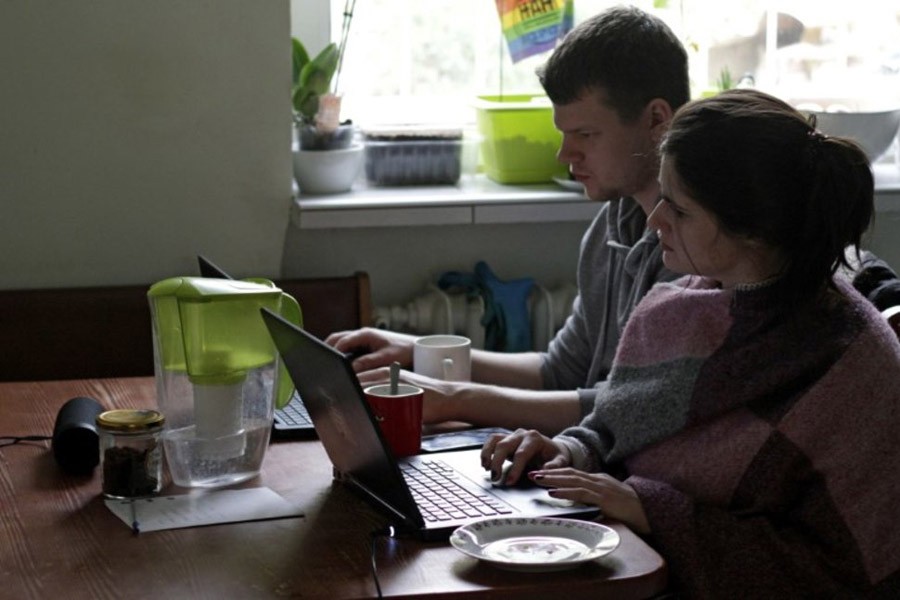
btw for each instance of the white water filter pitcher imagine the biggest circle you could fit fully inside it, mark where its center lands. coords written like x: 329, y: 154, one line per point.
x: 218, y: 375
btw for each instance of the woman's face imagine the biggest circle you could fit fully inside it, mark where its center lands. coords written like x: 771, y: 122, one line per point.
x: 693, y: 241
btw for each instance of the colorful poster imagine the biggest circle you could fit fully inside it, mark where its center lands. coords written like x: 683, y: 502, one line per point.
x: 534, y: 26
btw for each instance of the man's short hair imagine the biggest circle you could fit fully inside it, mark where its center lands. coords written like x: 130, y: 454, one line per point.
x: 630, y: 55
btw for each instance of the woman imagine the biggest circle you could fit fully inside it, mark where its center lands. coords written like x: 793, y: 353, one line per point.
x: 750, y: 427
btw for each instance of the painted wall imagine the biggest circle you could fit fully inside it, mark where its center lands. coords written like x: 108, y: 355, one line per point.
x: 402, y: 261
x: 134, y: 135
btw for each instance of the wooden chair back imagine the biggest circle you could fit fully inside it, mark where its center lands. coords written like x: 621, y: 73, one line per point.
x: 77, y: 333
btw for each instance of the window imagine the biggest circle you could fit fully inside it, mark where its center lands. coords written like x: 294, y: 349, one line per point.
x: 432, y: 59
x: 426, y: 61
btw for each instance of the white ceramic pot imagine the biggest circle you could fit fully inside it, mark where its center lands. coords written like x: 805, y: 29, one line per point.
x: 327, y: 171
x: 873, y: 130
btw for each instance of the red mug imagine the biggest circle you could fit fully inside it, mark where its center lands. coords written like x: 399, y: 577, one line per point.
x: 399, y: 416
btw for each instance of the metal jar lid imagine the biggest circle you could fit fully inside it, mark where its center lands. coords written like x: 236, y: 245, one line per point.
x: 130, y: 420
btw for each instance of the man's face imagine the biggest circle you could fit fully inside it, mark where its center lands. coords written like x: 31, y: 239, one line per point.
x: 609, y: 157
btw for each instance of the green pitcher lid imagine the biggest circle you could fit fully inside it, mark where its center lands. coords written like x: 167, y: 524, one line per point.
x: 201, y: 288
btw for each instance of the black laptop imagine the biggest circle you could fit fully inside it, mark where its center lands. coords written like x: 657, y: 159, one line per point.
x: 292, y: 419
x: 404, y: 488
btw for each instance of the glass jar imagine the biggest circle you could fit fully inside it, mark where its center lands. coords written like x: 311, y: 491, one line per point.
x: 130, y: 452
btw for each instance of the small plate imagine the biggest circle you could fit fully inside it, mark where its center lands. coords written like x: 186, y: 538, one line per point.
x: 537, y: 545
x: 569, y: 184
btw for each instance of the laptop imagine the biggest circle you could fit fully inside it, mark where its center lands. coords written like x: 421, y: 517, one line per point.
x: 361, y: 458
x: 292, y: 420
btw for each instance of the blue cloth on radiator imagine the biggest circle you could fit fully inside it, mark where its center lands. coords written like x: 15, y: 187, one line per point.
x: 507, y: 327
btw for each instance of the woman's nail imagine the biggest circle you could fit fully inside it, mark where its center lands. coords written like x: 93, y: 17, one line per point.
x: 536, y: 475
x: 553, y: 492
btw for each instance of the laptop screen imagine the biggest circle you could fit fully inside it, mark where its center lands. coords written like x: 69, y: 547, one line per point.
x: 343, y: 420
x: 211, y: 269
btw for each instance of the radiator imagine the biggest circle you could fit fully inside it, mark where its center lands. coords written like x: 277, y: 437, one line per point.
x: 436, y: 311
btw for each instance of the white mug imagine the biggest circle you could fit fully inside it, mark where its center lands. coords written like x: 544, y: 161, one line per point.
x: 446, y: 357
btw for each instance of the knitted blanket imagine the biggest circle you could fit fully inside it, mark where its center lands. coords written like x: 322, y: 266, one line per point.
x: 764, y: 445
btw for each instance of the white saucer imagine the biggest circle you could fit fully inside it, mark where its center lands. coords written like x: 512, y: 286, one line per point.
x: 569, y: 184
x: 537, y: 545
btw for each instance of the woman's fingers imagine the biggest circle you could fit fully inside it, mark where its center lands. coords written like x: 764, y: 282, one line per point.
x: 524, y: 448
x: 616, y: 499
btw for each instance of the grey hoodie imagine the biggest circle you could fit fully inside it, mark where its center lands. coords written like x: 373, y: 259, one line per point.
x: 619, y: 262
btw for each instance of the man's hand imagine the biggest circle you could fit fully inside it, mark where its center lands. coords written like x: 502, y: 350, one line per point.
x: 376, y: 347
x: 437, y: 404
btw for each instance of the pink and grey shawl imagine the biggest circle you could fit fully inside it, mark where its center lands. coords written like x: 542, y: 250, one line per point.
x: 764, y: 444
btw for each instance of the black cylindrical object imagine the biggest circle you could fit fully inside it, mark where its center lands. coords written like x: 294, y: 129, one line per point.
x: 76, y: 444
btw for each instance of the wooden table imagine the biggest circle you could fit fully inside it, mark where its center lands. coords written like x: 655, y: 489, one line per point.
x: 58, y: 539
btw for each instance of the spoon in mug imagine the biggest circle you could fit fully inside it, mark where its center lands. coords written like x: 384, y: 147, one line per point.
x: 395, y: 377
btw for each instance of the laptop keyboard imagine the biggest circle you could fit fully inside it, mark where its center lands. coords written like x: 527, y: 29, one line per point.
x: 294, y: 413
x: 441, y: 496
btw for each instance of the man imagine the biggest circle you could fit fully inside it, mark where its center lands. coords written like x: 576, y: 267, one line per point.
x: 615, y: 82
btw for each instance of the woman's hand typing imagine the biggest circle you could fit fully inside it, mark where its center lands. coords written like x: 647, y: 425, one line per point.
x: 524, y: 448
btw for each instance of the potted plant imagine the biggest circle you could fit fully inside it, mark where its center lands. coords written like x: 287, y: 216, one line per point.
x: 316, y: 107
x: 327, y: 159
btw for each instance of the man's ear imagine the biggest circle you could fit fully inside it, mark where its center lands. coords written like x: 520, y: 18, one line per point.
x: 659, y: 114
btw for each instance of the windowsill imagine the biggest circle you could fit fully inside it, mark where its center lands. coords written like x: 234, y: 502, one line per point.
x: 474, y: 200
x: 478, y: 200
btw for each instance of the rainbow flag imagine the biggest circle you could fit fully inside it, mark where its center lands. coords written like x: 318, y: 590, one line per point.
x: 534, y: 26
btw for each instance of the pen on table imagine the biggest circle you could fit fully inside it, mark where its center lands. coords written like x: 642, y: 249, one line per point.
x: 135, y: 526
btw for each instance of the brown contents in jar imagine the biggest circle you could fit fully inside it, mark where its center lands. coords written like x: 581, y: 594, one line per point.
x: 125, y: 472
